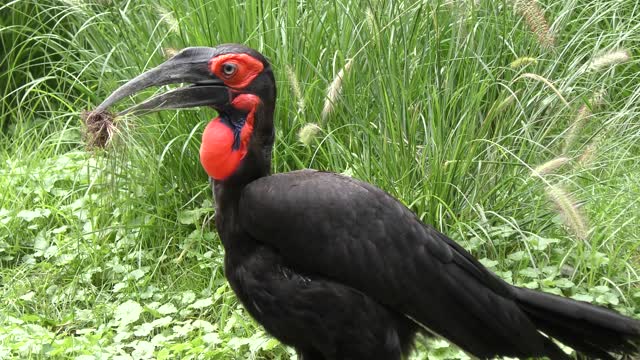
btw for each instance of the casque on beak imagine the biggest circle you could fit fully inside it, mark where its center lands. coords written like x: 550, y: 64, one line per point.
x: 191, y: 65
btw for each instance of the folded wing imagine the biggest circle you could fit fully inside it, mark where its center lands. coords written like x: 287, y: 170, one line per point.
x: 352, y: 232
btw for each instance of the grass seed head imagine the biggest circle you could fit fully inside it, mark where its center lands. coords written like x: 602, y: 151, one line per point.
x: 308, y: 133
x: 534, y: 17
x: 522, y: 62
x: 168, y: 17
x: 371, y: 24
x: 584, y: 112
x: 609, y: 59
x: 333, y: 92
x: 295, y: 86
x: 590, y: 152
x: 569, y: 211
x: 99, y: 128
x: 169, y: 52
x: 550, y: 166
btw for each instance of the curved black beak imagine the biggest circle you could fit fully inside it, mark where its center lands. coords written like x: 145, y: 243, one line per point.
x: 188, y: 66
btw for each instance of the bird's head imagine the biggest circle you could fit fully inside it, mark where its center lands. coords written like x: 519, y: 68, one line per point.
x: 235, y: 80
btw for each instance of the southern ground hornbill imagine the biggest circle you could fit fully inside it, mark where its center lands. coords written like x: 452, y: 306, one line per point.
x: 336, y: 267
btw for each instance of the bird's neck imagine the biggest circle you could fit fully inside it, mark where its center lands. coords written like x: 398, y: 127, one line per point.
x: 228, y: 222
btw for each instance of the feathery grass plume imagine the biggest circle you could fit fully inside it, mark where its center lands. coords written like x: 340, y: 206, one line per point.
x: 333, y: 92
x: 534, y: 17
x: 99, y: 128
x: 569, y: 211
x: 550, y: 166
x: 522, y: 62
x: 507, y: 101
x: 308, y: 133
x: 76, y: 4
x: 609, y: 59
x: 583, y: 114
x: 169, y: 52
x: 295, y: 86
x: 168, y: 18
x: 371, y: 23
x: 589, y: 153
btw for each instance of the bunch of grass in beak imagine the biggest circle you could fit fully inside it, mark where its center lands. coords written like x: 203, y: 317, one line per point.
x: 99, y: 128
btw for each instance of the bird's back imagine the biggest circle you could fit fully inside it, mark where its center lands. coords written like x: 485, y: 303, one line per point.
x: 355, y: 233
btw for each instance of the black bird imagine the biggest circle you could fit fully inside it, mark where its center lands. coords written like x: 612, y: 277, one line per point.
x: 336, y: 267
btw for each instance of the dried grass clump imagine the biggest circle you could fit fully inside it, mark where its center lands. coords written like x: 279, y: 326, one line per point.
x: 534, y: 17
x: 99, y: 128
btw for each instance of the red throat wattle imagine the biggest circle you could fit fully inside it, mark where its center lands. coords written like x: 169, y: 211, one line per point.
x: 217, y: 155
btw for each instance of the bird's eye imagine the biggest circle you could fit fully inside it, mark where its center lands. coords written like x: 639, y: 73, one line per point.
x: 229, y: 69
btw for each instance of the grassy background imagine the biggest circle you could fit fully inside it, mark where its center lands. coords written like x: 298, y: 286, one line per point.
x: 111, y: 254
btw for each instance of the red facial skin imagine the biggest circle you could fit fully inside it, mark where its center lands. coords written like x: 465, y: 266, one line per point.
x: 217, y: 155
x: 247, y: 68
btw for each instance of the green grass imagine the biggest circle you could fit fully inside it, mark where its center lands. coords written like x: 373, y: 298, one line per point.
x: 111, y: 253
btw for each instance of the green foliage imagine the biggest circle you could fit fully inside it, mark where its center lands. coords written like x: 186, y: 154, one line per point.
x: 448, y: 106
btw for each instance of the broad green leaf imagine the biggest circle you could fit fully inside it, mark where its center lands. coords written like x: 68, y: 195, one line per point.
x: 582, y: 297
x: 137, y: 274
x: 529, y: 272
x: 488, y: 262
x: 202, y: 303
x: 30, y: 215
x: 128, y: 312
x: 143, y: 329
x: 183, y: 329
x: 564, y: 283
x: 600, y: 289
x: 540, y: 243
x: 167, y: 309
x: 203, y: 325
x: 188, y: 217
x: 161, y: 322
x: 143, y: 350
x: 28, y: 296
x: 517, y: 256
x: 188, y: 297
x: 608, y: 298
x: 213, y: 339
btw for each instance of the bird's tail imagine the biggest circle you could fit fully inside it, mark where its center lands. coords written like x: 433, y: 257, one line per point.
x: 591, y: 330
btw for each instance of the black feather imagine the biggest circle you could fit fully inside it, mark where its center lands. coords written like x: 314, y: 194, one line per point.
x: 592, y: 330
x: 356, y: 234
